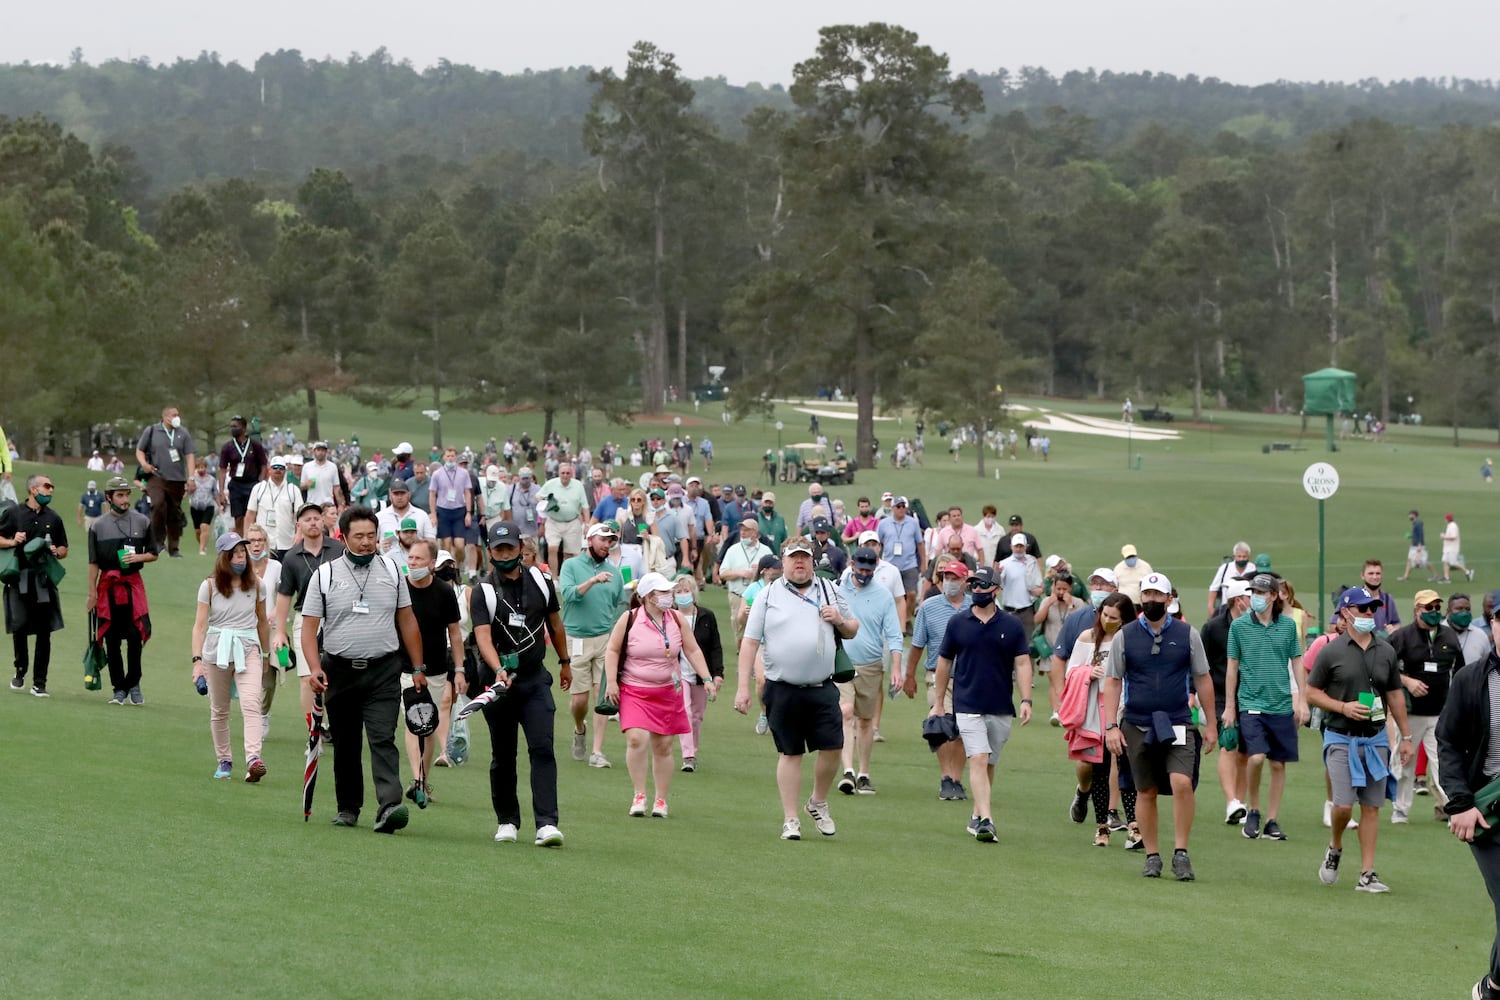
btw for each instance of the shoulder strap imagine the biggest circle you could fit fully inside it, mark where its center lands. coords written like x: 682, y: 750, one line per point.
x: 543, y: 584
x: 487, y: 591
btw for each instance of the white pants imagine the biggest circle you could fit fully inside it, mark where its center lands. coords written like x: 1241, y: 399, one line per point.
x: 1423, y: 733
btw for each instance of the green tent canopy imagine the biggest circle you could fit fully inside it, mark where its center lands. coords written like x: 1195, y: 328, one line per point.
x: 1328, y: 391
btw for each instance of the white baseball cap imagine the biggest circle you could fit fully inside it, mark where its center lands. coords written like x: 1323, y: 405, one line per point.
x: 1156, y: 581
x: 868, y: 536
x: 1017, y: 539
x: 651, y: 583
x: 1105, y: 574
x: 1233, y: 588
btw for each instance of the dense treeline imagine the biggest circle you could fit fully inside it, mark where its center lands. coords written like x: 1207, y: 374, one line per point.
x: 585, y: 241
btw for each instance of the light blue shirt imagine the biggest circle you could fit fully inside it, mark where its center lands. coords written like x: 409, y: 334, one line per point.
x: 879, y: 627
x: 899, y: 541
x: 931, y: 624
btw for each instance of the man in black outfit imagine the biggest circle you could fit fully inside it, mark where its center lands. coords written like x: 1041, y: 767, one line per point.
x: 35, y: 532
x: 511, y: 636
x: 242, y: 463
x: 120, y: 543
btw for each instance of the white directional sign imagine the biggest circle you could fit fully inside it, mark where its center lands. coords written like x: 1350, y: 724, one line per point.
x: 1321, y: 480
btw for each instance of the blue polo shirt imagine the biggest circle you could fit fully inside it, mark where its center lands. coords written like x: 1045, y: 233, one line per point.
x: 933, y: 616
x: 984, y: 657
x: 1072, y: 627
x: 879, y: 629
x: 92, y: 504
x: 899, y: 541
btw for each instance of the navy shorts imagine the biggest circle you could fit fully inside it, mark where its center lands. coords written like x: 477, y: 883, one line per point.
x: 1272, y: 735
x: 450, y: 522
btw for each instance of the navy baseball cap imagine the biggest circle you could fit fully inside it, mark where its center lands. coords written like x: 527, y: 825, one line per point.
x: 768, y: 562
x: 505, y: 533
x: 822, y: 524
x: 983, y: 577
x: 1356, y: 597
x: 866, y: 557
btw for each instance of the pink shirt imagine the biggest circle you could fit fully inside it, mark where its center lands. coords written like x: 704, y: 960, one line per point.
x: 859, y: 524
x: 651, y: 653
x: 967, y: 533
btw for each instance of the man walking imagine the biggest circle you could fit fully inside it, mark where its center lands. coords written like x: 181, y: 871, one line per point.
x: 901, y: 545
x: 320, y: 479
x: 511, y: 636
x: 364, y: 610
x: 793, y: 624
x: 242, y: 463
x: 879, y: 637
x: 1260, y: 697
x: 273, y: 505
x: 986, y: 652
x: 739, y: 568
x: 1152, y: 662
x: 298, y: 566
x: 1235, y: 566
x: 1020, y: 579
x: 1429, y: 654
x: 434, y: 603
x: 452, y: 498
x: 1453, y: 553
x: 566, y: 509
x: 120, y: 543
x: 591, y: 590
x: 1416, y: 545
x: 36, y: 535
x: 1357, y: 680
x: 90, y: 507
x: 165, y: 454
x: 927, y: 633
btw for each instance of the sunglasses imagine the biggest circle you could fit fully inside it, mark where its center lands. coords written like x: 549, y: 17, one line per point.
x: 1365, y: 609
x: 45, y: 486
x: 1434, y: 606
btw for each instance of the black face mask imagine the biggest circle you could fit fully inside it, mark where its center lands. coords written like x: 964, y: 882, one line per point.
x: 119, y: 508
x: 1154, y: 611
x: 982, y: 598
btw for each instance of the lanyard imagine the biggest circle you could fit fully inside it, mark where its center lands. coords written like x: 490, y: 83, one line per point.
x: 661, y: 629
x: 361, y: 584
x: 243, y: 448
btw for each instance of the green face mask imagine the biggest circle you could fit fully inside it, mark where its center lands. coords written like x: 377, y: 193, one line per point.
x: 360, y: 560
x: 1432, y: 618
x: 506, y: 565
x: 43, y: 499
x: 1461, y: 619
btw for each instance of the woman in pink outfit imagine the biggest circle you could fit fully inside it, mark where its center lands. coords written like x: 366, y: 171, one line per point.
x: 641, y: 668
x: 697, y: 693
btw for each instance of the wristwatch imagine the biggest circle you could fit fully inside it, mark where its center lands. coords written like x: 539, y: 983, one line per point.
x: 565, y: 663
x: 1026, y: 701
x: 1112, y: 725
x: 197, y: 659
x: 418, y: 668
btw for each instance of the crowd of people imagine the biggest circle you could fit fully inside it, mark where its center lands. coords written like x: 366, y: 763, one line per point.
x: 450, y: 579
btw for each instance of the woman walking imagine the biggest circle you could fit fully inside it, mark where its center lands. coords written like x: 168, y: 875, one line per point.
x: 268, y: 574
x: 1081, y: 716
x: 642, y: 667
x: 695, y: 691
x: 228, y: 635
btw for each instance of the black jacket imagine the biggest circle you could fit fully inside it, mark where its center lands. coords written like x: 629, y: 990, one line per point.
x: 1463, y: 734
x: 1413, y: 650
x: 706, y: 631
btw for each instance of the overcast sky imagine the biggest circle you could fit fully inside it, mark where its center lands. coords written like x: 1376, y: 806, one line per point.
x: 1244, y: 41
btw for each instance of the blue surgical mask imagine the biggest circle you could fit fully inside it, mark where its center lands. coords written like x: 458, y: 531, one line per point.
x: 683, y: 600
x: 1096, y: 597
x: 1130, y: 560
x: 1259, y: 603
x: 1365, y: 625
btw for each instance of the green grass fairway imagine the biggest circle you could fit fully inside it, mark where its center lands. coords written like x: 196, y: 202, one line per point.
x: 130, y: 873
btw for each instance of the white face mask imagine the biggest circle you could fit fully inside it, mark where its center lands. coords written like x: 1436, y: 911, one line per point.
x: 664, y: 602
x: 176, y: 422
x: 418, y: 573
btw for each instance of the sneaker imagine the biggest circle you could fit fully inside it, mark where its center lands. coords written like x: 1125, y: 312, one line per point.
x: 1470, y: 574
x: 417, y: 794
x: 598, y: 760
x: 1421, y: 785
x: 973, y: 826
x: 1397, y: 816
x: 38, y: 691
x: 1234, y: 812
x: 690, y: 764
x: 792, y: 828
x: 1101, y: 835
x: 136, y: 698
x: 1484, y: 991
x: 1182, y: 868
x: 346, y: 819
x: 225, y: 770
x: 1252, y: 825
x: 638, y: 805
x: 846, y: 783
x: 1055, y: 722
x: 119, y: 698
x: 548, y: 836
x: 763, y: 726
x: 863, y: 785
x: 1079, y: 810
x: 1153, y: 866
x: 659, y: 809
x: 506, y: 833
x: 18, y: 682
x: 392, y: 819
x: 822, y: 819
x: 1329, y: 872
x: 958, y: 791
x: 1133, y: 839
x: 946, y: 791
x: 877, y: 738
x: 580, y: 746
x: 1116, y: 824
x: 984, y: 832
x: 1370, y: 882
x: 255, y: 770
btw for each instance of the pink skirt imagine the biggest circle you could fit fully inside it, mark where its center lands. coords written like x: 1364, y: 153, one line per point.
x: 656, y: 709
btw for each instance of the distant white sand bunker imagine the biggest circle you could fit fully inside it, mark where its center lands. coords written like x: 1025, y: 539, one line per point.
x: 834, y: 414
x: 1072, y: 423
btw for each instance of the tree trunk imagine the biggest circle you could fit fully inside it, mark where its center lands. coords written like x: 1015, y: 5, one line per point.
x: 682, y: 328
x: 1333, y: 298
x: 1197, y: 380
x: 864, y: 391
x: 313, y: 433
x: 437, y: 389
x: 582, y: 403
x: 984, y: 426
x: 653, y: 388
x: 547, y: 415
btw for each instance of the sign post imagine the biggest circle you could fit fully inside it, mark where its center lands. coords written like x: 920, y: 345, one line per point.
x: 1321, y: 481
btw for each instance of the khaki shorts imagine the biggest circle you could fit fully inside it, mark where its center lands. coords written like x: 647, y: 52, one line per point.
x: 568, y: 534
x: 437, y: 684
x: 304, y: 668
x: 588, y: 662
x: 864, y: 691
x: 931, y: 688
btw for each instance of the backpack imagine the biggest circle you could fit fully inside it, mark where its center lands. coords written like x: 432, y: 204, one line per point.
x: 477, y: 673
